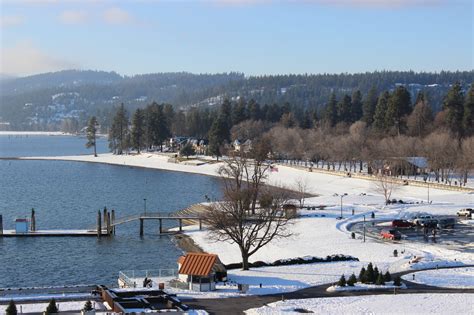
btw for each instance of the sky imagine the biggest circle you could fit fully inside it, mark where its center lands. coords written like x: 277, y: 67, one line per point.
x: 255, y: 37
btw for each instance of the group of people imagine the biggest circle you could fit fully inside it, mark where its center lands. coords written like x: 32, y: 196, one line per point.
x: 147, y: 283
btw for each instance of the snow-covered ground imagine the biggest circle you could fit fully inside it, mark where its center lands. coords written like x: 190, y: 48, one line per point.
x: 376, y: 304
x: 41, y: 307
x: 448, y: 278
x: 33, y: 133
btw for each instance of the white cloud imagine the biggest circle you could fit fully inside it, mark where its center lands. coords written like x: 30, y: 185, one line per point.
x: 23, y: 58
x: 117, y: 16
x: 11, y: 20
x: 73, y: 17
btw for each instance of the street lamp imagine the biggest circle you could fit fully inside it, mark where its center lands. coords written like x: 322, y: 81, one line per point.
x: 364, y: 228
x: 144, y: 199
x: 426, y: 178
x: 342, y: 196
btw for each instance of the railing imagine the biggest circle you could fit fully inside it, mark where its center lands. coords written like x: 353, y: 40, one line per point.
x: 134, y: 278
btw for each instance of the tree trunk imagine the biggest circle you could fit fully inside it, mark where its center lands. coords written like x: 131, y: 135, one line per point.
x: 245, y: 260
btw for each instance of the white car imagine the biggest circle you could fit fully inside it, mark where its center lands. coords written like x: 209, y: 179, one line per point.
x: 465, y: 212
x: 422, y: 219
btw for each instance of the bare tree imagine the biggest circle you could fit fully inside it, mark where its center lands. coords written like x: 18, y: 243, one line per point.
x: 386, y: 186
x: 251, y: 214
x: 302, y: 188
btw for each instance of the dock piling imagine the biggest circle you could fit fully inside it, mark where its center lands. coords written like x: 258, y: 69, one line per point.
x: 200, y: 224
x: 113, y: 221
x: 99, y: 225
x: 33, y: 220
x: 109, y: 228
x: 141, y: 227
x: 1, y: 224
x: 180, y: 225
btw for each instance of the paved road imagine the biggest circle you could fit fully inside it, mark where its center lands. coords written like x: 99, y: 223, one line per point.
x: 238, y: 305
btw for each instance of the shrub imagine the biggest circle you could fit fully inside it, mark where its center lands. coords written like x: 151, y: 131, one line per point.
x: 11, y: 309
x: 87, y: 306
x: 342, y: 281
x: 52, y: 308
x: 352, y: 280
x: 376, y: 273
x: 380, y: 280
x: 372, y: 215
x: 397, y: 281
x: 395, y: 253
x: 387, y: 276
x: 369, y: 274
x: 362, y: 275
x: 353, y: 235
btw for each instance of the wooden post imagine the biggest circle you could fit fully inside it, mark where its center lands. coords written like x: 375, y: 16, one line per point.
x: 1, y: 224
x: 200, y: 224
x: 113, y: 221
x: 161, y: 225
x: 180, y: 225
x: 105, y: 216
x: 141, y: 227
x: 109, y: 228
x: 99, y: 225
x: 33, y: 220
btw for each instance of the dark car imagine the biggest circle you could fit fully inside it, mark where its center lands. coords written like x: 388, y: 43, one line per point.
x: 391, y: 234
x: 401, y: 224
x: 430, y: 223
x: 447, y: 223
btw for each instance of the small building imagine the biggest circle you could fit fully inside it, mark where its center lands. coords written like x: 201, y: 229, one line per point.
x: 201, y: 271
x: 21, y: 225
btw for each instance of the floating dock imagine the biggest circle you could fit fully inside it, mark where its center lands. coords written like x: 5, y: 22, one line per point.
x: 51, y: 233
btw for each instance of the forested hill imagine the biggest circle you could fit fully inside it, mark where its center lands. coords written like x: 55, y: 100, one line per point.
x: 47, y: 99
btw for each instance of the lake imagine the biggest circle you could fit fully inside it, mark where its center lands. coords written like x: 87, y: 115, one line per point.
x: 67, y: 195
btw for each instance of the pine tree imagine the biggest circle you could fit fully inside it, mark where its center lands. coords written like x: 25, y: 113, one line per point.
x: 421, y: 117
x: 376, y: 272
x: 370, y: 103
x: 399, y: 106
x: 454, y: 106
x: 352, y: 280
x: 158, y: 125
x: 397, y: 281
x: 255, y: 113
x: 387, y: 276
x: 52, y: 308
x: 356, y: 108
x: 330, y: 114
x: 381, y: 111
x: 187, y: 150
x: 362, y: 275
x: 307, y: 120
x: 370, y: 275
x: 380, y: 280
x: 239, y: 112
x: 91, y: 133
x: 138, y: 130
x: 218, y: 134
x: 88, y: 306
x: 344, y: 109
x: 468, y: 118
x: 118, y: 131
x: 226, y: 112
x: 342, y: 281
x: 11, y: 308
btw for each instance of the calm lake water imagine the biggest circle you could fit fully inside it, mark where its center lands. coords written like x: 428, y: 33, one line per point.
x: 68, y: 195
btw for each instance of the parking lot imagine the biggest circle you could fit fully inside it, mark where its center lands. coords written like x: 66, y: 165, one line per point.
x: 460, y: 238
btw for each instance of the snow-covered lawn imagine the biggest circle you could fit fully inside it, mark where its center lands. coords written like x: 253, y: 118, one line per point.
x: 376, y: 304
x: 448, y: 278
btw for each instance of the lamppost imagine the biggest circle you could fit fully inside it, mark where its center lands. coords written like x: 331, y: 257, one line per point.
x: 144, y: 199
x: 342, y: 196
x: 426, y: 178
x: 364, y: 228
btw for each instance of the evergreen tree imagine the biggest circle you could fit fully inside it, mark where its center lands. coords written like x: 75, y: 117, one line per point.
x: 387, y: 276
x: 91, y: 133
x: 468, y: 118
x: 52, y: 308
x: 226, y: 112
x: 356, y: 108
x: 118, y: 131
x: 239, y: 112
x: 370, y: 275
x: 421, y: 117
x: 342, y: 281
x: 344, y: 109
x: 376, y: 272
x: 158, y: 125
x: 454, y: 107
x: 11, y: 308
x: 218, y: 134
x: 381, y: 111
x: 255, y: 113
x: 397, y: 281
x: 362, y: 275
x: 380, y: 280
x: 370, y: 103
x: 307, y: 121
x: 138, y: 130
x: 330, y: 114
x: 187, y: 150
x: 88, y: 306
x: 399, y: 106
x: 352, y: 280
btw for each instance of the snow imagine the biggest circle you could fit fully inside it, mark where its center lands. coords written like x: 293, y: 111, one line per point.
x: 462, y: 278
x: 40, y: 307
x: 365, y: 287
x: 376, y: 304
x: 33, y: 133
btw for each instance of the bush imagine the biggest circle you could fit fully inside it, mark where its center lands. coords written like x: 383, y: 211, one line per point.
x: 372, y: 215
x: 52, y: 308
x: 397, y: 281
x: 362, y: 275
x: 395, y: 253
x: 352, y: 280
x: 11, y: 309
x: 387, y: 276
x: 369, y: 274
x: 376, y: 273
x: 87, y: 306
x: 353, y: 235
x: 380, y: 280
x: 342, y: 281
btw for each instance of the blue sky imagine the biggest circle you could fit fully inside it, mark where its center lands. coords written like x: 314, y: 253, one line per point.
x: 250, y: 36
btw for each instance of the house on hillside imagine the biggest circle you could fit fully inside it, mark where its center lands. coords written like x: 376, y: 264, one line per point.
x: 401, y: 166
x: 201, y: 271
x: 238, y: 146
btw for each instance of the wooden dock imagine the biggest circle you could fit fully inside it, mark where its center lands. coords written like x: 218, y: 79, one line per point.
x: 52, y: 233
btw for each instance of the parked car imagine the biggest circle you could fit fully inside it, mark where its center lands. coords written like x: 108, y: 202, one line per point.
x: 430, y: 223
x: 391, y: 234
x: 422, y: 219
x: 401, y: 224
x: 446, y: 223
x: 465, y: 212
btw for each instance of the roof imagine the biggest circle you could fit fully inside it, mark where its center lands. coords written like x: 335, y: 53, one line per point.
x: 181, y: 259
x: 198, y: 264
